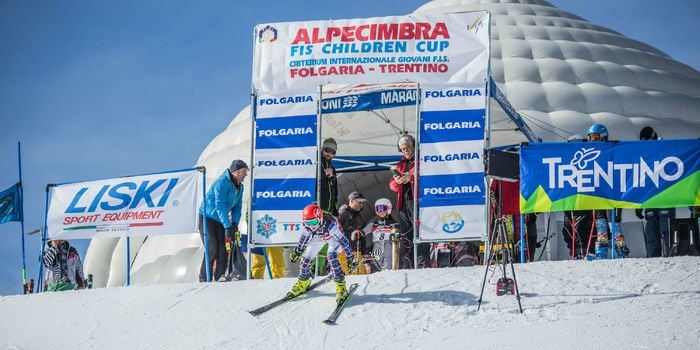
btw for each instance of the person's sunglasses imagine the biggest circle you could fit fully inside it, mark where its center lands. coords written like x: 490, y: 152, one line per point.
x: 381, y: 208
x: 329, y: 150
x: 312, y: 224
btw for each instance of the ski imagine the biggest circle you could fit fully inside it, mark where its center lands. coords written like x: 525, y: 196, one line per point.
x: 339, y: 308
x: 285, y: 299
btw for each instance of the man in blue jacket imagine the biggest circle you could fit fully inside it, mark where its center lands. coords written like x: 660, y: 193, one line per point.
x: 224, y: 198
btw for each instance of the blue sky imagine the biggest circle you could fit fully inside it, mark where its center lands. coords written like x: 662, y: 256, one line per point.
x: 103, y: 89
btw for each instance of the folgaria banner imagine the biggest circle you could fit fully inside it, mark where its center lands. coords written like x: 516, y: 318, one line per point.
x: 127, y: 206
x: 606, y: 175
x: 428, y: 49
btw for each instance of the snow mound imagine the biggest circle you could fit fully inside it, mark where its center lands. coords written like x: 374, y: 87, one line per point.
x: 614, y: 304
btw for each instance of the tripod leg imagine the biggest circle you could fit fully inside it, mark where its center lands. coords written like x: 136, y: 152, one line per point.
x: 509, y: 259
x: 486, y: 266
x: 515, y: 282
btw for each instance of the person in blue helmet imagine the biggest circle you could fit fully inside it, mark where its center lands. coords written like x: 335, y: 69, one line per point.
x: 222, y: 208
x: 599, y: 133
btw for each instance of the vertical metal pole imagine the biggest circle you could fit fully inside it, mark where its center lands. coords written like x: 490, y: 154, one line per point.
x: 205, y: 233
x: 128, y: 261
x: 267, y: 263
x: 416, y: 177
x: 249, y: 217
x: 40, y: 285
x: 612, y: 244
x: 522, y: 238
x: 319, y: 161
x: 487, y: 141
x: 21, y: 210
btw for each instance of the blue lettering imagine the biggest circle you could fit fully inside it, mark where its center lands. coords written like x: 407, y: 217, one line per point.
x: 72, y: 209
x: 124, y: 197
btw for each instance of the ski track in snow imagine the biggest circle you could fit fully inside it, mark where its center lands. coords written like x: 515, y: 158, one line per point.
x: 620, y: 304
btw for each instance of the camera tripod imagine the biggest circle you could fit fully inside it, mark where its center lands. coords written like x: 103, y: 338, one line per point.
x: 505, y: 285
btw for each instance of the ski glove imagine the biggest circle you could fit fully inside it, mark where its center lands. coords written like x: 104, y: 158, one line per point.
x: 295, y: 255
x: 228, y: 243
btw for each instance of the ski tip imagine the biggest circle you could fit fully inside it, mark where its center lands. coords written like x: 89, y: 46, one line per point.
x: 329, y: 322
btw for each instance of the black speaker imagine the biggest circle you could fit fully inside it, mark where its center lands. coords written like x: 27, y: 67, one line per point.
x: 503, y: 165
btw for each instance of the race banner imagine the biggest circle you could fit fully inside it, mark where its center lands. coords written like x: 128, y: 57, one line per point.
x: 424, y: 48
x: 285, y: 161
x: 155, y: 204
x: 369, y: 101
x: 606, y: 175
x: 452, y: 193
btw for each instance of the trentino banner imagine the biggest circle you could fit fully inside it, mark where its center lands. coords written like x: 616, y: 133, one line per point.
x: 431, y: 49
x: 155, y: 204
x: 451, y: 185
x: 285, y: 161
x: 606, y: 175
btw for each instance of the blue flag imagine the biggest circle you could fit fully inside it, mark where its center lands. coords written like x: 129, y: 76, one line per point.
x: 11, y: 204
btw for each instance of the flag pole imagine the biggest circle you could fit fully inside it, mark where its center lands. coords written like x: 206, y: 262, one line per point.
x: 21, y: 196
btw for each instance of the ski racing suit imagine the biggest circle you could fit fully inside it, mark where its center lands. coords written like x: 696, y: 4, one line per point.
x: 311, y: 242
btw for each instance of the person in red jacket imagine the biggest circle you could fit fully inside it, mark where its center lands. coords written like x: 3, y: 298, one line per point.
x: 402, y: 183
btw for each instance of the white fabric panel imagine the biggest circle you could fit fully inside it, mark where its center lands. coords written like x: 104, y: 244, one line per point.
x: 297, y: 162
x: 461, y: 221
x: 285, y: 226
x: 452, y: 157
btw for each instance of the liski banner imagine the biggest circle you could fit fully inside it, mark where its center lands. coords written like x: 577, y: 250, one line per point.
x: 430, y: 49
x: 605, y: 175
x: 451, y: 184
x: 284, y: 176
x: 128, y: 206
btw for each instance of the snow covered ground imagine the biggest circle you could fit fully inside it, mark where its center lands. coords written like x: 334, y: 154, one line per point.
x: 620, y: 304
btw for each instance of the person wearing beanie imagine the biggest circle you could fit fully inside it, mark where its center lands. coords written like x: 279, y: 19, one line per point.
x: 329, y: 181
x: 658, y: 221
x: 224, y: 198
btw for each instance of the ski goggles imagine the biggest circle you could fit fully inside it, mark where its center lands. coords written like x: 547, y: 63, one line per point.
x: 381, y: 208
x: 329, y: 150
x: 312, y: 224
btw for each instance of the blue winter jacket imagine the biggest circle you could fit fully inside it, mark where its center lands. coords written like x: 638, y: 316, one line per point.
x: 223, y: 197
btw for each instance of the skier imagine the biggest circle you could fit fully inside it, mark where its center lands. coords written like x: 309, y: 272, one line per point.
x: 380, y: 229
x: 319, y: 229
x: 599, y: 133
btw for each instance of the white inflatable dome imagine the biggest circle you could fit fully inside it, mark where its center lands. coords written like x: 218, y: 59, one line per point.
x: 559, y: 71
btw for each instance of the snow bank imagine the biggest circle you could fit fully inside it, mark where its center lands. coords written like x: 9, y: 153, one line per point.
x: 621, y: 304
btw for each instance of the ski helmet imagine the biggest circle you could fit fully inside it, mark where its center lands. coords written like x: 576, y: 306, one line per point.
x: 312, y: 216
x: 382, y: 205
x: 599, y: 129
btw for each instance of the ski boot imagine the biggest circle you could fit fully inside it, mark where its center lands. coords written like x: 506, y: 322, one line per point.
x: 620, y: 246
x: 341, y: 293
x: 299, y: 288
x: 601, y: 246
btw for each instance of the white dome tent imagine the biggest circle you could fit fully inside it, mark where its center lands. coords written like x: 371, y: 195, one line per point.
x: 559, y: 72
